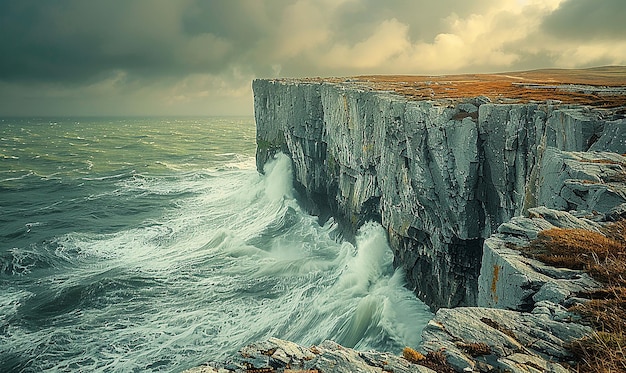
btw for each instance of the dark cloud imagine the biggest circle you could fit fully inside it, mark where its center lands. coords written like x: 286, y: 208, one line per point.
x: 179, y: 55
x: 355, y: 20
x: 588, y: 19
x: 73, y: 40
x: 244, y: 21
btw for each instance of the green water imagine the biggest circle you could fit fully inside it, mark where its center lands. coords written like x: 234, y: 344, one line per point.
x: 153, y: 244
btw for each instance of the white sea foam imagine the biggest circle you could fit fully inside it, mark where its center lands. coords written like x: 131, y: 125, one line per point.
x: 279, y: 180
x: 236, y: 260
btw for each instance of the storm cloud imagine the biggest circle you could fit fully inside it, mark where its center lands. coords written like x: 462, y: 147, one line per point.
x: 588, y: 20
x: 198, y: 57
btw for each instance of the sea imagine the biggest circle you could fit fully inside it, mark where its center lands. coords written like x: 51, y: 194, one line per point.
x: 154, y: 245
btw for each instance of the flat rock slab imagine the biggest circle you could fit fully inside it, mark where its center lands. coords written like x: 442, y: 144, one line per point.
x: 522, y: 340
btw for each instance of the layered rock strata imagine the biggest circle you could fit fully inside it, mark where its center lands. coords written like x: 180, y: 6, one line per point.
x: 440, y: 175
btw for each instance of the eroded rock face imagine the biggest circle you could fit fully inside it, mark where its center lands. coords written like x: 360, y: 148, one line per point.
x: 440, y: 176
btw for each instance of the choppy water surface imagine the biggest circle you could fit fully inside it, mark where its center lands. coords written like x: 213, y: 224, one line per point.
x: 152, y: 244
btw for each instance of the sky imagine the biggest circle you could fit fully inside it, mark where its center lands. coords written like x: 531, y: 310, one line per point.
x: 199, y: 57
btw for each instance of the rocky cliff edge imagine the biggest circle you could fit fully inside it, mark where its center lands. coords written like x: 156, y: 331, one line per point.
x: 442, y: 174
x: 462, y: 171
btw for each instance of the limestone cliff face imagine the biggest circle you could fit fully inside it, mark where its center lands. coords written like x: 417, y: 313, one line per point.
x: 440, y: 175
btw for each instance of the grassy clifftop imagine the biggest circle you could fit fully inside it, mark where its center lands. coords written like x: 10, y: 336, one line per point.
x: 600, y: 86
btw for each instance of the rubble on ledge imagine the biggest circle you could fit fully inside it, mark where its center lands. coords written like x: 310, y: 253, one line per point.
x: 276, y: 355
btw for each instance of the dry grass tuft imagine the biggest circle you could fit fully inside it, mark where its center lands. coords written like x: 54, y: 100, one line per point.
x: 603, y: 256
x: 601, y: 352
x: 579, y: 248
x: 433, y: 360
x: 412, y: 355
x: 606, y: 311
x: 475, y: 349
x: 617, y: 231
x: 437, y: 362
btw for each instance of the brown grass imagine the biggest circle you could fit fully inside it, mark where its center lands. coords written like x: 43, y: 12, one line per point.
x: 601, y: 352
x: 606, y: 311
x: 520, y: 86
x: 412, y: 355
x: 574, y: 248
x: 603, y: 256
x: 524, y: 86
x: 475, y: 349
x: 437, y: 362
x: 433, y: 360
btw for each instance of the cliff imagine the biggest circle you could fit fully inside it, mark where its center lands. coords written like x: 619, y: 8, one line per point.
x: 463, y: 172
x: 443, y: 162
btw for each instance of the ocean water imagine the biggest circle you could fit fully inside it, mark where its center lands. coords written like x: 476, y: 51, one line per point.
x: 153, y: 244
